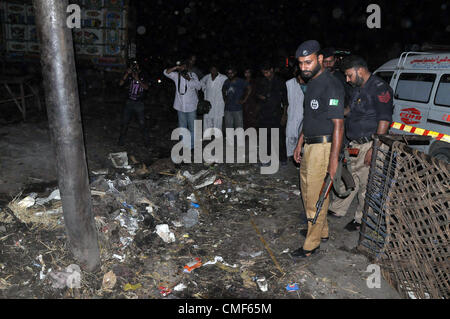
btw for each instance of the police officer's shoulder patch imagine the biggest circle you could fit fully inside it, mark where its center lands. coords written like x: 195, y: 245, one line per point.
x: 334, y: 102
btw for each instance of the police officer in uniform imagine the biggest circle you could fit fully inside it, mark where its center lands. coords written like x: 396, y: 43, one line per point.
x: 322, y: 133
x: 370, y: 113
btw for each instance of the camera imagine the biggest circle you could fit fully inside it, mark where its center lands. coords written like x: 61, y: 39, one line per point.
x: 134, y: 66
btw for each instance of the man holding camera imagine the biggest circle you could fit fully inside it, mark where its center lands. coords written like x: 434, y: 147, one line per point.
x: 134, y: 105
x: 186, y: 99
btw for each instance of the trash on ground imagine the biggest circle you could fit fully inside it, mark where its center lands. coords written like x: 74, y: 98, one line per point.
x: 192, y: 265
x: 70, y: 278
x: 49, y: 212
x: 179, y: 287
x: 120, y: 258
x: 193, y: 178
x: 104, y: 171
x: 165, y: 234
x: 128, y: 222
x: 210, y: 180
x: 54, y: 195
x: 262, y: 283
x: 119, y: 160
x: 190, y: 218
x: 28, y: 201
x: 220, y: 260
x: 164, y: 291
x: 109, y: 280
x: 292, y: 287
x: 129, y: 286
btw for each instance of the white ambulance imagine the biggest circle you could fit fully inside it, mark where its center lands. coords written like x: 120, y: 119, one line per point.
x: 421, y: 85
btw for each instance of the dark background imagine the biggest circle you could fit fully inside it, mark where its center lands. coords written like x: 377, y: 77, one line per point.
x: 247, y: 33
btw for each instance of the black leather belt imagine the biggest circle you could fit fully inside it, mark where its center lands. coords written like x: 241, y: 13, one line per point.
x: 318, y: 139
x: 362, y: 140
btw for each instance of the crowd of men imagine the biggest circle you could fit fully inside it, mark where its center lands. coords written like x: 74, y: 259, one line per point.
x: 318, y: 112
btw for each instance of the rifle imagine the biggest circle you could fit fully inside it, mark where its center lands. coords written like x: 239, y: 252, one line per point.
x: 343, y: 174
x: 326, y: 187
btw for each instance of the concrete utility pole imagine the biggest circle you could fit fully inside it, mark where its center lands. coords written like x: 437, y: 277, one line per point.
x: 63, y: 111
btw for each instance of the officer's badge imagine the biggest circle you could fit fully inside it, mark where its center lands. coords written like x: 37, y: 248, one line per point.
x: 314, y: 104
x: 358, y: 101
x: 334, y: 102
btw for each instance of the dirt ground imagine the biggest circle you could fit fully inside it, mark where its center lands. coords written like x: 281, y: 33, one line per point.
x: 251, y: 221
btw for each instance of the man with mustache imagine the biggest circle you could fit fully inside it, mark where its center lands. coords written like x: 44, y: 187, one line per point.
x: 322, y: 133
x: 370, y: 113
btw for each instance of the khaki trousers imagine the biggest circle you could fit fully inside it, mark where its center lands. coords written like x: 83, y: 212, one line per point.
x: 360, y: 173
x: 313, y: 169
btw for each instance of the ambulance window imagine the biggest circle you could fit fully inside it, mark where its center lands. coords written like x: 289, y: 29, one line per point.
x: 415, y: 87
x: 443, y: 91
x: 386, y: 76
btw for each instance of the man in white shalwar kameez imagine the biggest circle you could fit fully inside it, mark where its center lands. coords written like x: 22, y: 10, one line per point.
x: 212, y: 87
x: 294, y: 112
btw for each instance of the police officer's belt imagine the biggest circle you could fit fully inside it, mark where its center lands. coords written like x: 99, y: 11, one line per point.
x: 318, y: 139
x: 362, y: 140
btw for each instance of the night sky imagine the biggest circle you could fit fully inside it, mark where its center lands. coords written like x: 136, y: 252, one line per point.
x: 247, y: 33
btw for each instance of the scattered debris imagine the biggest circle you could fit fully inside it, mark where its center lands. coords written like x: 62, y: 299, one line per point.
x: 131, y: 287
x: 262, y: 283
x: 192, y: 265
x: 165, y: 234
x: 70, y: 278
x: 109, y: 280
x: 119, y: 160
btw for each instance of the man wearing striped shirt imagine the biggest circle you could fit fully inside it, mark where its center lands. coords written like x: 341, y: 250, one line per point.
x: 134, y: 105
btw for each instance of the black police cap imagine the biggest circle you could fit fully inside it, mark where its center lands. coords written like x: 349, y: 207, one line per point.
x: 327, y: 52
x: 307, y: 48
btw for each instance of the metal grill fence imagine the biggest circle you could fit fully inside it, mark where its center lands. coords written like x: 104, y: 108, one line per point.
x: 406, y: 219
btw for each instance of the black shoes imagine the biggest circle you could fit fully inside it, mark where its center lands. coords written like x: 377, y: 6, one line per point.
x: 332, y: 214
x: 353, y: 226
x: 303, y: 232
x: 301, y: 253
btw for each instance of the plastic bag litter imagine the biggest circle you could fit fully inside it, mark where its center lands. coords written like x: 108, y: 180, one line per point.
x: 28, y: 201
x: 262, y: 283
x: 190, y: 218
x: 54, y: 195
x: 119, y: 160
x: 194, y: 178
x: 71, y: 277
x: 128, y: 222
x: 165, y: 234
x: 219, y: 259
x: 210, y: 180
x: 109, y: 280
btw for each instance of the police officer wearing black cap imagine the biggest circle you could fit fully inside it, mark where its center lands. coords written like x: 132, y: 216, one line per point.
x: 370, y: 113
x: 322, y: 133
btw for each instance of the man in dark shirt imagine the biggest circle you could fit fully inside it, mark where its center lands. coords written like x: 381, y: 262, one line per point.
x: 235, y: 92
x: 330, y: 63
x: 322, y: 133
x: 272, y: 96
x: 370, y: 112
x: 134, y: 105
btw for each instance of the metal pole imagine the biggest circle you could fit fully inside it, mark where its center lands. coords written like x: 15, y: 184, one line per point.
x: 63, y: 111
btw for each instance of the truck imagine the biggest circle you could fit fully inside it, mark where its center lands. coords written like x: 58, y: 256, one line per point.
x: 421, y: 85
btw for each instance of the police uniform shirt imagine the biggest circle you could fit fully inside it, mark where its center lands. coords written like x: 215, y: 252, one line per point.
x: 369, y: 105
x: 324, y: 101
